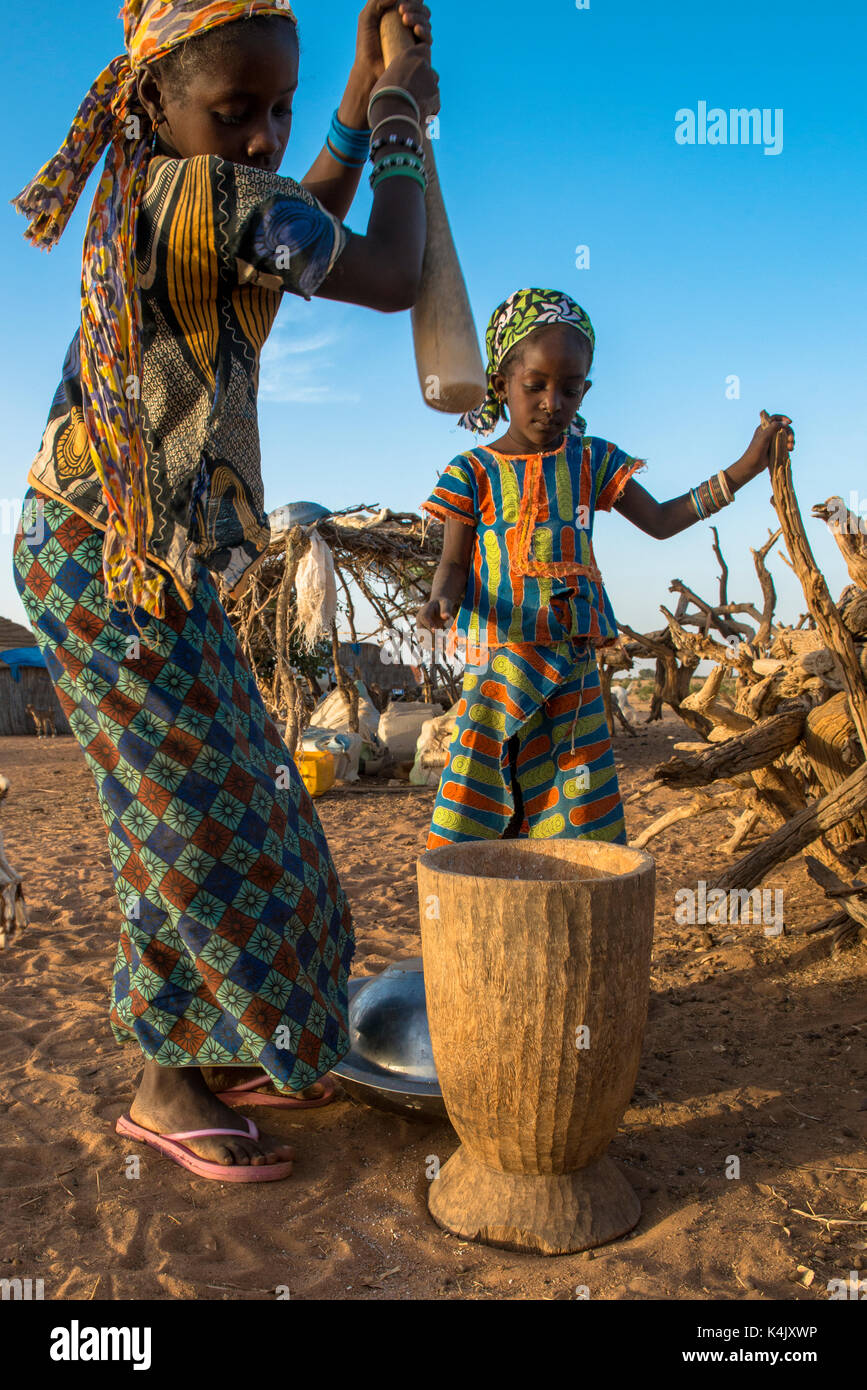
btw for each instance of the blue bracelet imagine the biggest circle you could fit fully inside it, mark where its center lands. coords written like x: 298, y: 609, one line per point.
x: 349, y: 147
x: 356, y: 140
x: 696, y: 502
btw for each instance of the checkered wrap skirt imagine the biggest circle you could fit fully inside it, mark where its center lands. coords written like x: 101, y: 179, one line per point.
x: 535, y: 715
x: 236, y: 937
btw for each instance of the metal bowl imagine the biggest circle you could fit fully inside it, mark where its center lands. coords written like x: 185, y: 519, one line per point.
x: 390, y: 1064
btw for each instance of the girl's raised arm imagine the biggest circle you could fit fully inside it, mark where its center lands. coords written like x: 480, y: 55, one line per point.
x: 665, y: 519
x: 334, y: 176
x: 382, y: 270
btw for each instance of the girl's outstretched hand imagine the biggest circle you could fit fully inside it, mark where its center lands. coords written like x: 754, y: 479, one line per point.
x: 760, y: 452
x: 436, y: 613
x: 369, y: 62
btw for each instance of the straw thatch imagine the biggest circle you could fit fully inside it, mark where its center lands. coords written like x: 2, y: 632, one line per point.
x: 388, y: 557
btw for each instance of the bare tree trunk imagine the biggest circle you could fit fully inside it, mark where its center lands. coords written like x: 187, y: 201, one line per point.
x: 832, y: 747
x: 834, y: 633
x: 285, y: 686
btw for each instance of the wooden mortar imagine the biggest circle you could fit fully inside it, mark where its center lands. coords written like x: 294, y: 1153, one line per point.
x: 526, y: 943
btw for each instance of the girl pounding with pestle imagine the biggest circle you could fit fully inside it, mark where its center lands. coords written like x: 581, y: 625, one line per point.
x: 237, y: 937
x: 531, y: 754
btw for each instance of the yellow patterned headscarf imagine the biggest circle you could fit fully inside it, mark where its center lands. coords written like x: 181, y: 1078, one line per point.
x: 514, y: 320
x: 111, y: 116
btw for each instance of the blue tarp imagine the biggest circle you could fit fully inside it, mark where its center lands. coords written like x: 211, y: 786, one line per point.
x: 22, y: 656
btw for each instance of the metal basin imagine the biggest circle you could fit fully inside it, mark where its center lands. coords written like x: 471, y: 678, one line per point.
x: 390, y: 1064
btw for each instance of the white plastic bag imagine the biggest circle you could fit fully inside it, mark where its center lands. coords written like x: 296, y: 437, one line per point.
x: 316, y: 592
x: 401, y: 724
x: 333, y: 713
x: 432, y: 749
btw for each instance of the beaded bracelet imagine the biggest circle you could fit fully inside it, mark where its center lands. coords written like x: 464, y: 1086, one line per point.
x: 399, y: 161
x: 409, y: 164
x: 391, y: 166
x: 396, y: 142
x: 400, y: 92
x: 416, y: 174
x: 349, y: 147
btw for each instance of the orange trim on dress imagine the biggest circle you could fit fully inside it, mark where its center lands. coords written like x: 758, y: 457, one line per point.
x: 435, y: 508
x: 531, y: 506
x: 610, y: 494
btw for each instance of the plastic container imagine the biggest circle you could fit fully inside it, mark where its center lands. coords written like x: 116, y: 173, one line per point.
x: 318, y: 771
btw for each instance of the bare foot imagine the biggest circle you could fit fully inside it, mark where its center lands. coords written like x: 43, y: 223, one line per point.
x: 171, y: 1100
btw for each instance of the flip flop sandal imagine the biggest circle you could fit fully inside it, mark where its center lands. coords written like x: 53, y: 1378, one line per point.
x: 169, y: 1145
x: 246, y: 1094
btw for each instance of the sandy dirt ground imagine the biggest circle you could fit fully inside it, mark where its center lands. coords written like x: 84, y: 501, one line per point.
x: 755, y: 1050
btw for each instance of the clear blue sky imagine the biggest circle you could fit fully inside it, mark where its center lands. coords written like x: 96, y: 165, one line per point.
x: 558, y: 129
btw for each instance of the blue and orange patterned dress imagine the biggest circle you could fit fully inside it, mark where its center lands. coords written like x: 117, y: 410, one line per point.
x: 533, y: 613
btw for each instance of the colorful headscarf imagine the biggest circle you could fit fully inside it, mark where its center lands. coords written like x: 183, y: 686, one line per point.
x: 520, y: 315
x: 112, y: 116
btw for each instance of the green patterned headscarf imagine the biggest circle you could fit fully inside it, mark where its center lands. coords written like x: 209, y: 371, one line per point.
x: 520, y: 315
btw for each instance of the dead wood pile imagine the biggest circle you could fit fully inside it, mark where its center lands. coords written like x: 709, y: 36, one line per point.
x: 786, y: 756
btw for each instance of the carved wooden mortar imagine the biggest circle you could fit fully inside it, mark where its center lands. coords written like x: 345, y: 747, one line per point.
x: 537, y: 975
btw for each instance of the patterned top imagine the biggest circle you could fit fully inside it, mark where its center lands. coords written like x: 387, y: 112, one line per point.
x: 534, y: 577
x: 218, y: 246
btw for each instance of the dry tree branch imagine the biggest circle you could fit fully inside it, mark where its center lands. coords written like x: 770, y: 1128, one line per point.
x: 759, y: 746
x: 798, y: 832
x: 724, y: 569
x: 834, y: 633
x: 702, y: 804
x: 763, y: 636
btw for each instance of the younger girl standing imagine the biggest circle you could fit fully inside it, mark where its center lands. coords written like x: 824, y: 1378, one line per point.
x: 531, y: 754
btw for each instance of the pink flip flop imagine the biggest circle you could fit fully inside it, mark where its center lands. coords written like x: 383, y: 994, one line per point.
x: 246, y: 1094
x: 170, y: 1147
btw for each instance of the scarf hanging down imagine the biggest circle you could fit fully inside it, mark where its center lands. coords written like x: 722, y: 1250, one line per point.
x: 519, y: 316
x: 112, y: 116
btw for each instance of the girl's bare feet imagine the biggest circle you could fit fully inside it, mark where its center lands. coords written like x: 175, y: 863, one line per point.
x: 171, y: 1100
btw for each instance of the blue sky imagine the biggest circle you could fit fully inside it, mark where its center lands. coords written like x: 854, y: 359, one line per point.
x: 557, y: 131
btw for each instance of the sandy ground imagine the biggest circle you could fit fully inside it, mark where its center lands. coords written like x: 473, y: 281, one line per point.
x: 755, y: 1049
